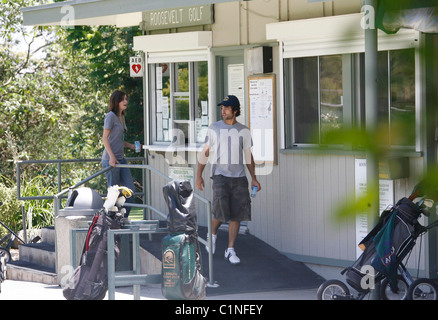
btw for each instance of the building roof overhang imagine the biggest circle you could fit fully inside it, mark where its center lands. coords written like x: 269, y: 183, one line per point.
x: 121, y: 13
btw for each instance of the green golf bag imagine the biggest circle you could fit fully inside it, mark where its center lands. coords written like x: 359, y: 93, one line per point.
x: 181, y: 264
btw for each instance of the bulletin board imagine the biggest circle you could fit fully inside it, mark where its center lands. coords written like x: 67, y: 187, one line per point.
x: 262, y: 115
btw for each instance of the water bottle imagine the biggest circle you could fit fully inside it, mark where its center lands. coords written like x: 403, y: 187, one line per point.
x: 137, y: 146
x: 254, y: 191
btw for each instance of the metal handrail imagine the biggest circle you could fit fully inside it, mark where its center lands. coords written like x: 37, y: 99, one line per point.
x: 207, y: 242
x: 59, y: 178
x: 57, y: 197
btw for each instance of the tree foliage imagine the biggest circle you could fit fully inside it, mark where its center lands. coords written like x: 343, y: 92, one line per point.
x: 55, y: 85
x: 108, y: 49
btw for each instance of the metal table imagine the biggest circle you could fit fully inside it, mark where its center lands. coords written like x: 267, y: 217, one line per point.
x: 124, y: 278
x: 134, y: 277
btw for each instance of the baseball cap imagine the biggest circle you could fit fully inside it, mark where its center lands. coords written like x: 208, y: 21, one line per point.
x: 230, y: 101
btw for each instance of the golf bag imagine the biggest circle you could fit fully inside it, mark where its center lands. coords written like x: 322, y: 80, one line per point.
x: 2, y: 270
x: 383, y: 246
x: 90, y: 278
x: 181, y: 265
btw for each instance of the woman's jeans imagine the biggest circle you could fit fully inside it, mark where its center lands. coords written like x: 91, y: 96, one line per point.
x: 120, y: 177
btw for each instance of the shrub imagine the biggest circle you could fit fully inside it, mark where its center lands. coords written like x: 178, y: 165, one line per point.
x: 10, y: 210
x: 39, y: 212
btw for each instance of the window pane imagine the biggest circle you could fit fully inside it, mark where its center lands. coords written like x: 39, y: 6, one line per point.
x: 396, y: 96
x: 402, y: 112
x: 331, y: 94
x: 163, y: 89
x: 201, y: 105
x: 305, y: 99
x: 382, y: 93
x: 182, y: 108
x: 202, y: 88
x: 179, y: 103
x: 165, y: 78
x: 181, y: 97
x: 182, y: 83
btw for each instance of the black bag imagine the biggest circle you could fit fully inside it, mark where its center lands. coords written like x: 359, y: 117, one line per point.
x: 181, y: 266
x: 90, y: 278
x: 182, y: 213
x: 403, y: 217
x: 356, y: 273
x: 2, y: 270
x: 394, y: 237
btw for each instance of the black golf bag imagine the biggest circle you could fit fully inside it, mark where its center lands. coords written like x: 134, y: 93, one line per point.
x: 2, y: 270
x: 384, y: 245
x: 90, y: 278
x: 181, y: 265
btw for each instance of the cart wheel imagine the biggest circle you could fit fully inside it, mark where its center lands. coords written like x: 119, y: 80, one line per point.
x: 387, y: 294
x: 4, y: 253
x: 423, y: 289
x: 333, y: 290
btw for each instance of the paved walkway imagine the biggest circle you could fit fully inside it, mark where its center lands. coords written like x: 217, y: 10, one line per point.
x: 262, y: 267
x: 22, y: 290
x: 265, y: 275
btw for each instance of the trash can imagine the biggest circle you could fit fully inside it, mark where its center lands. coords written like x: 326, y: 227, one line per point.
x: 81, y: 205
x: 82, y: 202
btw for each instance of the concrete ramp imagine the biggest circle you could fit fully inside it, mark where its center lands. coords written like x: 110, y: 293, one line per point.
x: 262, y: 267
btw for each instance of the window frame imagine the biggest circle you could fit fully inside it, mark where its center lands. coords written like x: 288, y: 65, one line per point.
x: 325, y: 36
x: 390, y: 107
x: 353, y: 101
x: 289, y: 86
x: 193, y: 99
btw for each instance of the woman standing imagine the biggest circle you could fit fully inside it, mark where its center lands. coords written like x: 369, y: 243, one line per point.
x: 114, y: 130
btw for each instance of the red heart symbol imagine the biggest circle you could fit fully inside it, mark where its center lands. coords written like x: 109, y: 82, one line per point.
x: 136, y: 68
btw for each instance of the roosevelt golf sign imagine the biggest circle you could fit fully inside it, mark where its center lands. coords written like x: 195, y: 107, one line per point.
x: 178, y: 17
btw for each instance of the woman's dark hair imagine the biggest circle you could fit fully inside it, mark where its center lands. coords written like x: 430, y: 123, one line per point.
x: 116, y: 97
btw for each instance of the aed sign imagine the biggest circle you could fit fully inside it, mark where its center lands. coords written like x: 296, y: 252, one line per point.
x: 178, y: 17
x: 136, y: 66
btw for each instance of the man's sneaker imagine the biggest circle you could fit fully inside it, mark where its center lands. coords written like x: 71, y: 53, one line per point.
x: 230, y: 255
x: 213, y: 242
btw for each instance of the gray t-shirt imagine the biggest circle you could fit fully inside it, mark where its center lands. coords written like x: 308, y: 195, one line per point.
x: 116, y: 136
x: 227, y: 145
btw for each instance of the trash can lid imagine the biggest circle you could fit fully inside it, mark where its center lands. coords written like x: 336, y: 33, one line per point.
x: 84, y: 198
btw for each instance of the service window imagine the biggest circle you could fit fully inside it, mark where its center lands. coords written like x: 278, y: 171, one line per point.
x: 317, y: 97
x: 179, y: 103
x: 316, y: 88
x: 396, y: 96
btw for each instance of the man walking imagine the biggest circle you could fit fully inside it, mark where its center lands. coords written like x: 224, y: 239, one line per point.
x: 228, y: 146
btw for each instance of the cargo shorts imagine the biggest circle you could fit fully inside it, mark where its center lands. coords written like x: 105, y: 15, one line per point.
x: 231, y: 200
